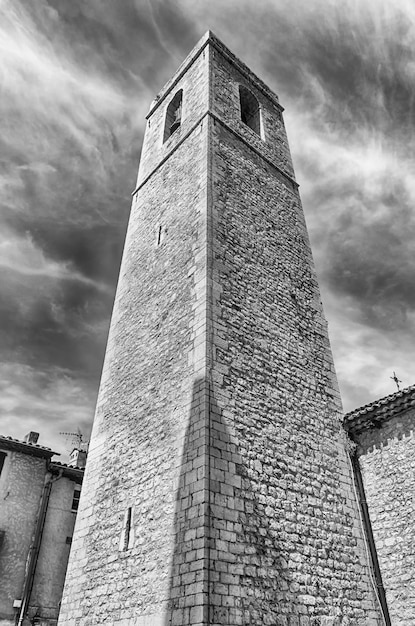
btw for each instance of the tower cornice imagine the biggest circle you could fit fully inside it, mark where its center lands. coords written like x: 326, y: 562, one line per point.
x: 286, y: 176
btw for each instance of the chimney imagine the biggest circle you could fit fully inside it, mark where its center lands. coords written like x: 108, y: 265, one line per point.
x: 31, y: 437
x: 77, y: 458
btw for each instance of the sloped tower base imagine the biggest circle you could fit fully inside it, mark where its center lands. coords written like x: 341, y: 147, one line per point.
x: 218, y: 489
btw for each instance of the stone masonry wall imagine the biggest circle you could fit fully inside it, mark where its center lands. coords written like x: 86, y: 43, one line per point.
x: 287, y: 544
x: 148, y: 438
x: 387, y: 461
x: 225, y: 103
x: 194, y: 104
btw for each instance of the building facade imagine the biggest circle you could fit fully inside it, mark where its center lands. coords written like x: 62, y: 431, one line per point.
x: 218, y: 488
x: 39, y: 499
x: 383, y: 432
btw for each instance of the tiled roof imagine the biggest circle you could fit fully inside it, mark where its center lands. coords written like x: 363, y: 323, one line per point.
x: 26, y: 448
x: 373, y: 414
x: 68, y: 470
x: 81, y: 469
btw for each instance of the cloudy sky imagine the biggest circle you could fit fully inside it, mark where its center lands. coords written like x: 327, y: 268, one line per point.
x: 76, y: 80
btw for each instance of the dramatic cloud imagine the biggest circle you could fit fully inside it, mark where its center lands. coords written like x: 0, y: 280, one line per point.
x: 29, y: 397
x: 21, y: 255
x: 76, y: 82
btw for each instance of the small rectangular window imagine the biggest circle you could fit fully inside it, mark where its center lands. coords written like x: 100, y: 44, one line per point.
x: 76, y: 496
x: 2, y: 459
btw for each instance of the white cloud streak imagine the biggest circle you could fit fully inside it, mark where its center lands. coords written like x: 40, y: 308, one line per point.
x: 22, y: 255
x: 50, y: 80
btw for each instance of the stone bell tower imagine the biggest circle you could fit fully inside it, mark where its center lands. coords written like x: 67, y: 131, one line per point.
x: 218, y: 489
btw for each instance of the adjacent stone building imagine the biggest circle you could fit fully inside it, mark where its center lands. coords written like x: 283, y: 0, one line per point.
x: 38, y: 505
x: 384, y: 434
x: 218, y: 489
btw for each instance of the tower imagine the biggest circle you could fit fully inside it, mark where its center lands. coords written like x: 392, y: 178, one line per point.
x: 218, y: 488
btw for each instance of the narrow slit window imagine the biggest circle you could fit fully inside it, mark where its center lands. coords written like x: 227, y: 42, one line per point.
x: 127, y: 529
x: 159, y: 234
x: 250, y: 111
x: 127, y: 534
x: 173, y: 115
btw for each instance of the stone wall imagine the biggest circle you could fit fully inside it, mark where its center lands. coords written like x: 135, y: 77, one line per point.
x: 286, y: 534
x: 195, y: 85
x: 150, y: 410
x: 387, y: 461
x: 22, y: 480
x: 54, y: 552
x: 21, y: 485
x: 273, y: 145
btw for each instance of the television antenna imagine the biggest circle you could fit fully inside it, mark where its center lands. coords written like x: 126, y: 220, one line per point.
x: 76, y: 440
x: 396, y: 379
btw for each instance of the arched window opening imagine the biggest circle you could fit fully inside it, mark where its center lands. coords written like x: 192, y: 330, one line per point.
x: 173, y: 115
x: 250, y: 112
